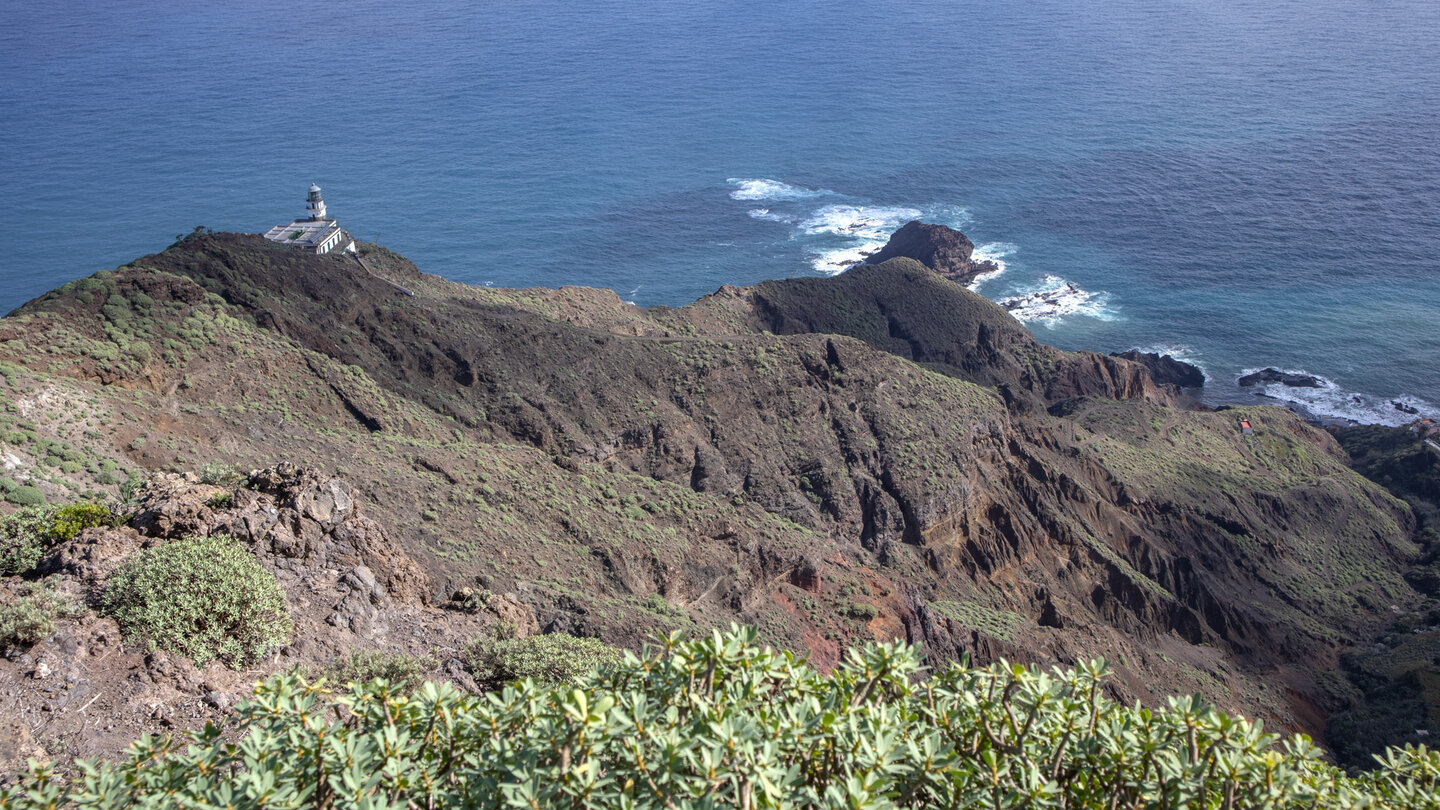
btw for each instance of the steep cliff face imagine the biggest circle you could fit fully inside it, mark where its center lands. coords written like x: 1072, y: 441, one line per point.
x: 881, y: 454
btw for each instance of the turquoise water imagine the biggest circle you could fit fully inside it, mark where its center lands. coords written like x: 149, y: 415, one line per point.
x: 1245, y: 182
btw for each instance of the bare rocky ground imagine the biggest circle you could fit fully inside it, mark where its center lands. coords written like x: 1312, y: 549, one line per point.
x: 84, y: 691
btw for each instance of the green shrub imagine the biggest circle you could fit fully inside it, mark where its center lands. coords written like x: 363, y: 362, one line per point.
x: 25, y: 496
x: 129, y: 488
x: 24, y: 536
x: 403, y: 671
x: 33, y: 614
x: 655, y: 603
x: 720, y: 722
x: 109, y: 477
x: 69, y: 521
x: 201, y: 597
x: 551, y: 659
x: 862, y: 611
x: 7, y: 484
x: 221, y: 500
x: 219, y: 474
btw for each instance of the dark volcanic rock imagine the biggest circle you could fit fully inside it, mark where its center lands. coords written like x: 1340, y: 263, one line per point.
x: 944, y: 250
x: 1269, y: 375
x: 1166, y: 369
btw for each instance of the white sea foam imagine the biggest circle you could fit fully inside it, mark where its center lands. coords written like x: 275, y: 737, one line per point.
x: 836, y: 261
x: 838, y: 236
x: 770, y: 216
x: 1332, y: 402
x: 866, y: 227
x: 765, y: 188
x: 1054, y: 299
x: 869, y: 222
x: 991, y: 252
x: 954, y: 216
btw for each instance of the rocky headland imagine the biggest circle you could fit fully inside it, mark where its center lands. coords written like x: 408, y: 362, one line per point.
x: 878, y: 455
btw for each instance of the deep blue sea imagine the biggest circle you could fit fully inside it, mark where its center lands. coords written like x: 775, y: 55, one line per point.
x: 1245, y: 183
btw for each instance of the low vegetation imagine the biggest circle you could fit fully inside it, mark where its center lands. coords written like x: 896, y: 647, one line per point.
x: 720, y: 722
x: 28, y: 532
x: 550, y: 659
x: 402, y: 671
x: 33, y: 613
x: 201, y: 597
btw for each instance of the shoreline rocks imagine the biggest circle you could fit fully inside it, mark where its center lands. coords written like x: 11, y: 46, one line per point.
x: 1275, y: 375
x: 1166, y: 369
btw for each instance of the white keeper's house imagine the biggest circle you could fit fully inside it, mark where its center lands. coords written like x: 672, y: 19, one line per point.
x: 314, y: 232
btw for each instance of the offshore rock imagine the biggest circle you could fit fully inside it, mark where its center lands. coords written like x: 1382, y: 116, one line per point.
x: 1272, y: 375
x: 944, y: 250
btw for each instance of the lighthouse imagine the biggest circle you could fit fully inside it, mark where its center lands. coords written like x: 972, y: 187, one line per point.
x: 315, y: 204
x: 314, y: 232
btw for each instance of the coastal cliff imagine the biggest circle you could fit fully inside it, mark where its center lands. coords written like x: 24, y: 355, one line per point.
x: 879, y: 455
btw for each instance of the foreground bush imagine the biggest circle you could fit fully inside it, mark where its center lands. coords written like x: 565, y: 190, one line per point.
x: 201, y: 597
x: 721, y: 723
x: 549, y: 660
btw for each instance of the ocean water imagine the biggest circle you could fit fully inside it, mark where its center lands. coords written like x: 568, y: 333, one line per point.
x: 1245, y: 183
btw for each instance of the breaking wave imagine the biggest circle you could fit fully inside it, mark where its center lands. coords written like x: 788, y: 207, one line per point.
x: 991, y: 252
x: 866, y: 229
x: 1330, y: 401
x: 1053, y: 299
x: 770, y: 216
x: 765, y: 188
x: 859, y: 221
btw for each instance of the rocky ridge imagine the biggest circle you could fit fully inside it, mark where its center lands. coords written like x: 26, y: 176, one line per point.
x: 879, y: 455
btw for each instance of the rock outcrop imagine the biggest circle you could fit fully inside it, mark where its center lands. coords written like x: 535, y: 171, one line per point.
x: 1275, y: 375
x: 1165, y: 369
x: 348, y: 583
x: 944, y: 250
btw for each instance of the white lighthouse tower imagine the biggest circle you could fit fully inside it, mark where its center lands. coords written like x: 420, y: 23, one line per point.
x: 315, y: 204
x: 314, y: 232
